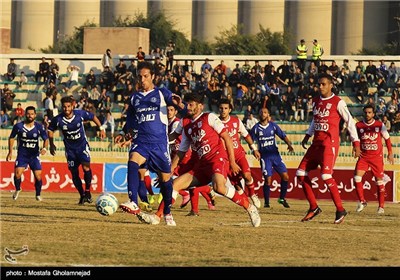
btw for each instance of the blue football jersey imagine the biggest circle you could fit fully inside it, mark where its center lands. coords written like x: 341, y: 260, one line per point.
x: 147, y: 116
x: 265, y: 137
x: 72, y: 130
x: 28, y: 138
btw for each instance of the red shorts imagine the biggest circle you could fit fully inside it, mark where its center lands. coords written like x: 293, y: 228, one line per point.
x: 244, y: 166
x: 204, y: 170
x: 322, y: 156
x: 376, y: 165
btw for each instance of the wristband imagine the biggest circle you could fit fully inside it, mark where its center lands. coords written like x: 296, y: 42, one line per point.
x: 253, y: 147
x: 101, y: 128
x: 44, y: 149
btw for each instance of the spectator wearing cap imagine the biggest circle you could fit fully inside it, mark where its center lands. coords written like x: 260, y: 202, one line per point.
x: 317, y: 52
x: 301, y: 51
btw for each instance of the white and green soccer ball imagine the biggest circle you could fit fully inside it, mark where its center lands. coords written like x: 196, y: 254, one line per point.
x: 107, y: 204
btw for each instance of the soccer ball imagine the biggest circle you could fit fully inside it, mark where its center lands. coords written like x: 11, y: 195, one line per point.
x: 107, y: 204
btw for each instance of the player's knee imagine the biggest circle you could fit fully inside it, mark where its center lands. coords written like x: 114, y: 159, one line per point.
x: 357, y: 178
x: 326, y: 177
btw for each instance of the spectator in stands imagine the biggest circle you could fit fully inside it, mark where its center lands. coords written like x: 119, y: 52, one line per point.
x: 393, y: 74
x: 382, y: 70
x: 90, y: 80
x: 284, y: 74
x: 7, y: 98
x: 19, y: 114
x: 221, y: 67
x: 49, y: 105
x: 371, y: 73
x: 23, y: 79
x: 94, y: 96
x: 11, y: 70
x: 206, y: 65
x: 44, y: 68
x: 381, y: 109
x: 251, y: 121
x: 132, y: 70
x: 387, y: 123
x: 159, y: 67
x: 169, y: 55
x: 157, y: 53
x: 107, y: 60
x: 392, y: 108
x: 109, y: 123
x: 106, y: 79
x: 300, y: 107
x: 121, y: 69
x: 312, y: 69
x: 54, y: 70
x: 381, y: 88
x: 322, y: 68
x: 396, y: 123
x: 73, y: 77
x: 3, y: 118
x: 140, y: 55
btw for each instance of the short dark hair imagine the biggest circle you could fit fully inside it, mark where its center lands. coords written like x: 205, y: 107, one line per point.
x: 327, y: 76
x: 146, y: 65
x: 196, y: 97
x: 30, y: 108
x: 369, y: 106
x: 67, y: 99
x: 225, y: 101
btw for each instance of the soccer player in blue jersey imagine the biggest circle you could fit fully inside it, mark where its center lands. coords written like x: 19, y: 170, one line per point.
x: 77, y: 150
x: 28, y: 133
x: 147, y: 116
x: 264, y: 133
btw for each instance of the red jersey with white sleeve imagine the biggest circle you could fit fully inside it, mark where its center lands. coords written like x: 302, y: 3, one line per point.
x: 371, y: 135
x: 235, y: 129
x: 202, y: 134
x: 325, y: 123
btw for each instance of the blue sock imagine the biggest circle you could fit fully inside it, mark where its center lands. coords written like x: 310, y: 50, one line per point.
x: 133, y: 181
x: 266, y: 190
x: 87, y: 176
x: 166, y: 191
x: 17, y: 183
x: 284, y: 186
x: 38, y: 187
x: 143, y: 192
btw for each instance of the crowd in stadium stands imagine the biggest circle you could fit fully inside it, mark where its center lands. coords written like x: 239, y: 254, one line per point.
x: 285, y: 90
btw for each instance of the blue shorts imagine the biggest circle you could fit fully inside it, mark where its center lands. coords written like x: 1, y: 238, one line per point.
x: 157, y: 156
x: 33, y: 162
x: 77, y: 157
x: 275, y: 162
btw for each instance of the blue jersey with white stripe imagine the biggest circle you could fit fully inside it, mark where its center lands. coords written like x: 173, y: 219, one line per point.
x: 72, y: 130
x: 147, y: 116
x: 28, y: 138
x: 265, y: 137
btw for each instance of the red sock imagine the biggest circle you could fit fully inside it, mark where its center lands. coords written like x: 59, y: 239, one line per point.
x: 360, y: 191
x: 381, y: 196
x: 147, y: 183
x: 194, y: 199
x: 205, y: 192
x: 241, y: 200
x: 250, y: 188
x: 184, y: 192
x: 160, y: 210
x: 334, y: 191
x: 305, y: 182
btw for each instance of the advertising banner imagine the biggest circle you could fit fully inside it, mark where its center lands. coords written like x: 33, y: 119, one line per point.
x: 115, y: 180
x: 344, y: 179
x: 55, y: 176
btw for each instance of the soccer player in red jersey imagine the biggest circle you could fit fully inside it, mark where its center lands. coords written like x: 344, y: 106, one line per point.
x: 235, y: 129
x: 208, y: 138
x: 191, y: 195
x: 328, y: 109
x: 371, y: 131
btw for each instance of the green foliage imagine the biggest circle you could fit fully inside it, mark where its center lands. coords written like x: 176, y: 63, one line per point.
x: 392, y: 48
x: 70, y: 44
x: 230, y: 42
x: 233, y: 42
